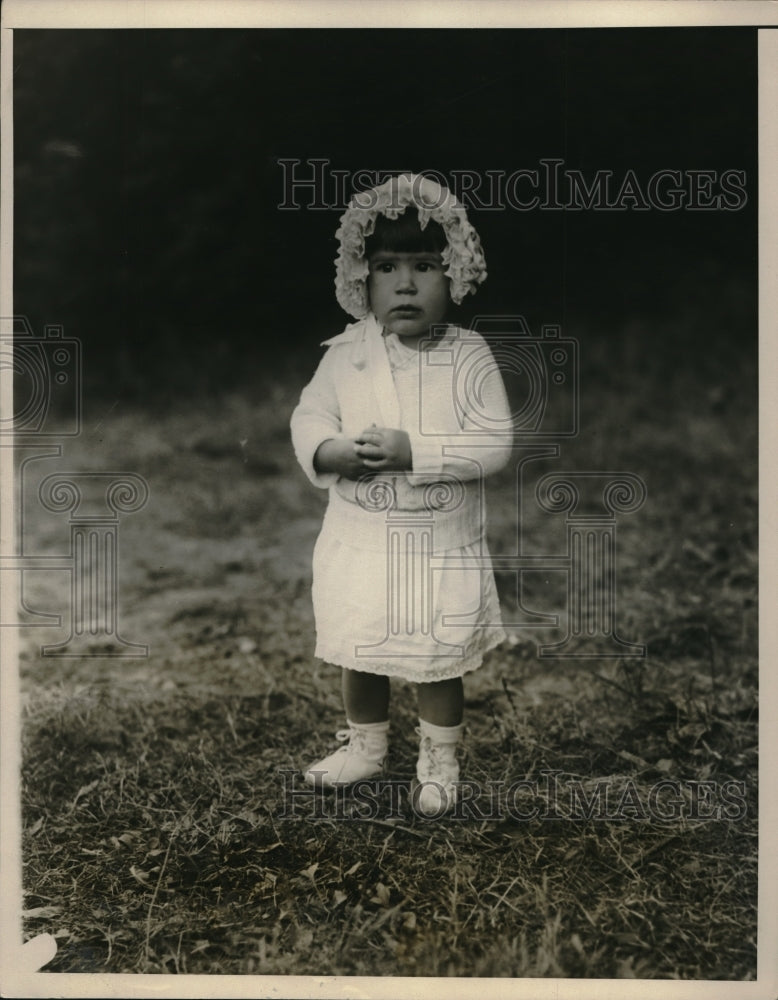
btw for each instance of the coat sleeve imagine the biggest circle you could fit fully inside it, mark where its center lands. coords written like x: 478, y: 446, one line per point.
x: 485, y: 442
x: 317, y: 418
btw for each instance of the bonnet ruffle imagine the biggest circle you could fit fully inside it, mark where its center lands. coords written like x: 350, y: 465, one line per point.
x: 463, y: 257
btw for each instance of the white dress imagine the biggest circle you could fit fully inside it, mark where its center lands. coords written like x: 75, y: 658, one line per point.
x: 401, y: 601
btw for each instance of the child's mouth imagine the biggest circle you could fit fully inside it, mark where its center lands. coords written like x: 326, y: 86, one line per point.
x: 413, y: 310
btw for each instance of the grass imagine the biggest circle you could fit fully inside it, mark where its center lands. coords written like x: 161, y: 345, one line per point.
x: 156, y: 837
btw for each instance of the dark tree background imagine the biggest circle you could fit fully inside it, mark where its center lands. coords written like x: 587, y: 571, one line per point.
x: 147, y: 184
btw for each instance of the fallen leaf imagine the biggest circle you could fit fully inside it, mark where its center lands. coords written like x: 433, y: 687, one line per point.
x: 272, y: 847
x: 381, y: 895
x: 139, y: 876
x: 634, y: 759
x: 85, y: 790
x: 39, y: 912
x: 694, y: 729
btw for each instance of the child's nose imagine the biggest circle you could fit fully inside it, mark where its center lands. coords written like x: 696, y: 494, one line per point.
x: 406, y: 280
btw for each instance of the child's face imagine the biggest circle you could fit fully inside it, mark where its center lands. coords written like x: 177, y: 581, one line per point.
x: 408, y: 291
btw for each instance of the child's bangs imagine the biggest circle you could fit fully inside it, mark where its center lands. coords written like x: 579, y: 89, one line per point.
x: 405, y: 235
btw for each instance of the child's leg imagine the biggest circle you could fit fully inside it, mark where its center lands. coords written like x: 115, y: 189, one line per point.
x: 441, y: 707
x: 365, y: 696
x: 442, y: 702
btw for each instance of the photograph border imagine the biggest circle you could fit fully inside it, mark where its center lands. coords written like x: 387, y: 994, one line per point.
x: 19, y: 964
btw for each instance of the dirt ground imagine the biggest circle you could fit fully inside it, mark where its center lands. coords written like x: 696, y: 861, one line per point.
x: 151, y: 787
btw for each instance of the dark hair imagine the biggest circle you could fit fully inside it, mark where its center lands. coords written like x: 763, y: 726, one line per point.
x: 405, y: 235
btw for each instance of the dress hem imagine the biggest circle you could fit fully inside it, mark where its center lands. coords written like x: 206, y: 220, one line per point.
x: 387, y: 668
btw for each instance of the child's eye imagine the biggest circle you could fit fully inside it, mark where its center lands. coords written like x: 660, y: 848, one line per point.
x: 384, y: 267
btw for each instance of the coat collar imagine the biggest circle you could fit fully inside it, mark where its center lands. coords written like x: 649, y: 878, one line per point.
x: 358, y: 334
x: 368, y: 351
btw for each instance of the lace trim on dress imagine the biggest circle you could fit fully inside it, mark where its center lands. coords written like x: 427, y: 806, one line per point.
x: 443, y: 670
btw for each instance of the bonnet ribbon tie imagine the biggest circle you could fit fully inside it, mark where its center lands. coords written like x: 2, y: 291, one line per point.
x: 381, y: 375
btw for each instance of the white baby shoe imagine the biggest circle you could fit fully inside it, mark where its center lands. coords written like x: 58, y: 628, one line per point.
x: 362, y: 756
x: 437, y: 768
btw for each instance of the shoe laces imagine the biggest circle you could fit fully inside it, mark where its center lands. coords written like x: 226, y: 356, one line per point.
x: 430, y: 749
x: 440, y: 757
x: 357, y: 741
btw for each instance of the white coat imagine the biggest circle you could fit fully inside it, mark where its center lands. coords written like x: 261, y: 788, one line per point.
x: 402, y: 580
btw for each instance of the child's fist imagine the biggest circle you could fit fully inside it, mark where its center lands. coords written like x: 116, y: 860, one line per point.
x: 385, y: 449
x: 339, y: 455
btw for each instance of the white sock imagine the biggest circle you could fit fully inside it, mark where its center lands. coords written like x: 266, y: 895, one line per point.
x: 441, y: 734
x: 379, y: 728
x: 375, y: 734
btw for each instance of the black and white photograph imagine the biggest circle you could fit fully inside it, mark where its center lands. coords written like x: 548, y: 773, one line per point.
x: 380, y: 439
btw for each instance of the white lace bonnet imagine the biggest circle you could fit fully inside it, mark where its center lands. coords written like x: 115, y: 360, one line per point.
x: 464, y: 257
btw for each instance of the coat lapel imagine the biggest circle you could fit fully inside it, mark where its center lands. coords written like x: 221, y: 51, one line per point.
x: 381, y: 374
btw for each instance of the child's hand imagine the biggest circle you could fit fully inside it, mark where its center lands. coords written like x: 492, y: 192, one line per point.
x: 339, y: 455
x: 384, y: 449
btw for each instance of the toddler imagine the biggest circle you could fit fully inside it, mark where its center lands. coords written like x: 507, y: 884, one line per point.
x: 403, y: 418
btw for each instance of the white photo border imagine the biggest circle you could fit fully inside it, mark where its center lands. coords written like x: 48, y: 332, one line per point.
x: 17, y: 963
